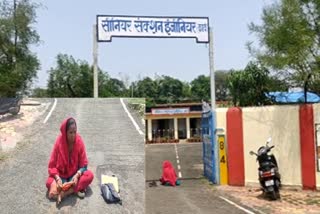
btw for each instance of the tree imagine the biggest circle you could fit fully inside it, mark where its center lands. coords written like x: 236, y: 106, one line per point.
x: 114, y: 88
x: 170, y: 89
x: 39, y: 92
x: 146, y: 88
x: 70, y: 78
x: 221, y: 85
x: 18, y: 65
x: 276, y: 84
x: 290, y: 37
x: 74, y: 78
x: 200, y: 88
x: 186, y: 91
x: 249, y: 87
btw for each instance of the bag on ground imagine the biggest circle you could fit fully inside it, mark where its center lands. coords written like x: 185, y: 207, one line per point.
x: 110, y: 194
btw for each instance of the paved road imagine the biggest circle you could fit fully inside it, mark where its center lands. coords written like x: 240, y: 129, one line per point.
x: 195, y: 195
x: 113, y: 146
x: 190, y: 159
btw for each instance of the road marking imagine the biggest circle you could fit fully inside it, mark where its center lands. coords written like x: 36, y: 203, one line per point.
x: 178, y: 161
x: 53, y: 107
x: 46, y: 108
x: 130, y: 116
x: 236, y: 205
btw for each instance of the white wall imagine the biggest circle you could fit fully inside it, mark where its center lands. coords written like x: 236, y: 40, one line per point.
x: 222, y: 119
x: 282, y: 124
x: 316, y: 114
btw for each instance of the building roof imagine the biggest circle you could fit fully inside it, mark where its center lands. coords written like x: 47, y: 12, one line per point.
x: 177, y: 104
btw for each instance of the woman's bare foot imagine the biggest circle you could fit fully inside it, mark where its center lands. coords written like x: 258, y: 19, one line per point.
x: 52, y: 196
x: 59, y: 197
x: 63, y: 194
x: 53, y: 191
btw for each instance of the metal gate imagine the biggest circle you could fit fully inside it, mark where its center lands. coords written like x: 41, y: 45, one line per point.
x: 208, y: 139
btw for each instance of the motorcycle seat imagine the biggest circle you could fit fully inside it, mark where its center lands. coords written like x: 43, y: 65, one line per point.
x: 266, y: 165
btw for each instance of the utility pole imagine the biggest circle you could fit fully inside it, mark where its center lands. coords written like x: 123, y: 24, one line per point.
x: 213, y: 107
x: 15, y: 29
x: 132, y: 90
x: 212, y: 77
x: 95, y: 63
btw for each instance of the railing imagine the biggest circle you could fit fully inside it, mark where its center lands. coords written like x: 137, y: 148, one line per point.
x: 167, y: 135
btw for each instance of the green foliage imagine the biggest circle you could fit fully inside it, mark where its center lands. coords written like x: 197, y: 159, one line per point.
x: 114, y: 88
x: 70, y: 78
x: 18, y: 65
x: 248, y: 87
x: 146, y: 88
x: 170, y: 89
x: 200, y: 88
x: 165, y: 89
x: 221, y: 85
x: 186, y: 91
x: 74, y: 78
x: 39, y: 93
x: 290, y: 37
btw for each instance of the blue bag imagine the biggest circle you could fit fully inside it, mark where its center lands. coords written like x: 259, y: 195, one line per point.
x: 110, y: 194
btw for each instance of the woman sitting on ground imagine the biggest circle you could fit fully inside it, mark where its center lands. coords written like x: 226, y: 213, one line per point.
x: 169, y: 175
x: 68, y: 163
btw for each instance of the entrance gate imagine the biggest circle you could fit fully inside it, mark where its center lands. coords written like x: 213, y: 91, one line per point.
x: 109, y: 26
x: 209, y: 145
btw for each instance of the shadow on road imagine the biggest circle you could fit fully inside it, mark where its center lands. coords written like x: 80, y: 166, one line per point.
x: 71, y: 200
x: 10, y: 117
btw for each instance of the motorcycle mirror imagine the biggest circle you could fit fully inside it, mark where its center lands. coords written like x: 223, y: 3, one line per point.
x: 251, y: 153
x: 269, y: 140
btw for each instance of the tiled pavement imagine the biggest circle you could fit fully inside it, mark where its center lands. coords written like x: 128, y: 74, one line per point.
x: 292, y: 200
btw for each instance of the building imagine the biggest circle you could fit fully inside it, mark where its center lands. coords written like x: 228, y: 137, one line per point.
x: 173, y: 123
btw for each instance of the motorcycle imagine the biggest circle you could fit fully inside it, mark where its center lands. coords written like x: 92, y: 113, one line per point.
x: 269, y: 176
x: 10, y: 105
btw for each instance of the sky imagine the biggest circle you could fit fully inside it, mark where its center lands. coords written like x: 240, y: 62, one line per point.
x: 66, y: 27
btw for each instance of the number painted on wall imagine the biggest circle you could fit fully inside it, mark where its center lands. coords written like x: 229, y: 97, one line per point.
x: 223, y: 160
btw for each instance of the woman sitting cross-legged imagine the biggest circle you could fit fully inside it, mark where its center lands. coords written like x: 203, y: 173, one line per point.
x: 68, y: 163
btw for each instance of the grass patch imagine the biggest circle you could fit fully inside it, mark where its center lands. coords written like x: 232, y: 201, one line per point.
x: 312, y: 202
x: 137, y: 104
x: 136, y: 100
x: 3, y: 156
x: 208, y: 184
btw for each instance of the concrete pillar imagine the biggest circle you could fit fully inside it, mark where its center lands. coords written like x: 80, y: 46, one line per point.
x: 176, y: 128
x: 188, y: 127
x: 149, y: 129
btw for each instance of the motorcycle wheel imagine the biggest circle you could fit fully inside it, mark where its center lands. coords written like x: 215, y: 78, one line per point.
x: 273, y: 195
x: 15, y: 110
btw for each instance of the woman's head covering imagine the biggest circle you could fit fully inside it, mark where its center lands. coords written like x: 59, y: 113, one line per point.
x: 168, y: 173
x: 65, y: 126
x: 70, y: 122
